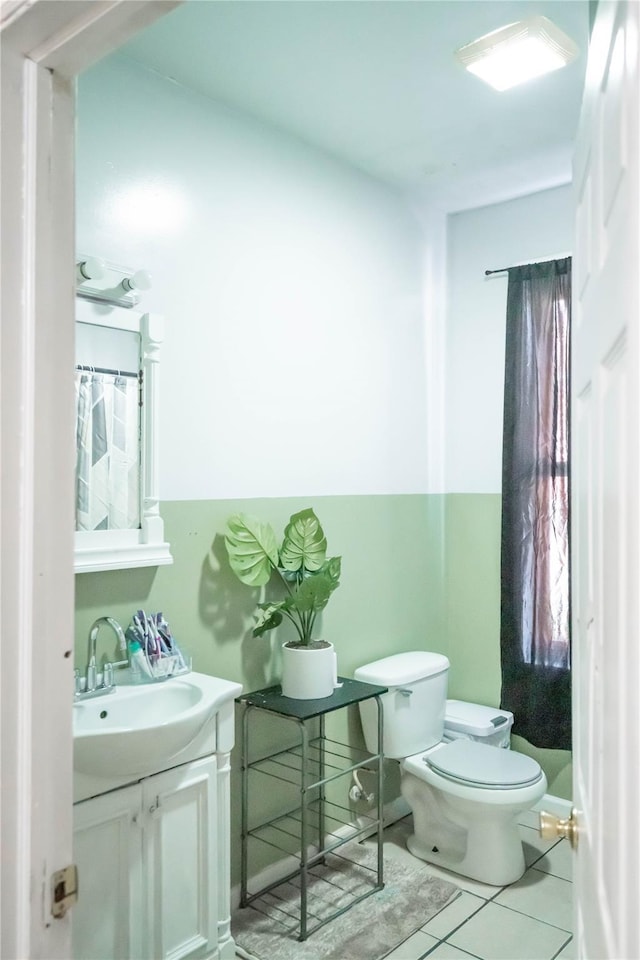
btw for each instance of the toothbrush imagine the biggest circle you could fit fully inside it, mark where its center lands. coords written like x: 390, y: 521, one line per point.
x: 165, y: 632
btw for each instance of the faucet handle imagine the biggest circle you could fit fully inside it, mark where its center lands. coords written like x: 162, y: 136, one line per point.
x: 77, y: 681
x: 92, y: 678
x: 107, y: 675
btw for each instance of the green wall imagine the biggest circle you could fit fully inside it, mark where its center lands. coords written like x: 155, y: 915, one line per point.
x: 472, y: 565
x: 390, y: 597
x: 419, y: 572
x: 472, y: 575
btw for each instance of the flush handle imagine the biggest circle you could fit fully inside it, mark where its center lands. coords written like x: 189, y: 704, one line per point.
x: 552, y: 827
x: 405, y: 691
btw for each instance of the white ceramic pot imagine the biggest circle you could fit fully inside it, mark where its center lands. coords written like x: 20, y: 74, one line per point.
x: 308, y: 673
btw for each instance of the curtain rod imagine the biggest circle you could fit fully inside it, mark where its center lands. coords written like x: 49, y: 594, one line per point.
x: 113, y: 373
x: 527, y: 263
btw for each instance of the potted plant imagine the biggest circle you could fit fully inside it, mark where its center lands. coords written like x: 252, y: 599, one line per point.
x: 307, y: 578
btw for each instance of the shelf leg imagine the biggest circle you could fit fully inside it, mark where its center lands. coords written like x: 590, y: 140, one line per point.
x: 321, y: 798
x: 380, y: 790
x: 244, y: 807
x: 304, y: 830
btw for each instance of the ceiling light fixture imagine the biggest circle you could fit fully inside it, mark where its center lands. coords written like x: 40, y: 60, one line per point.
x: 518, y: 52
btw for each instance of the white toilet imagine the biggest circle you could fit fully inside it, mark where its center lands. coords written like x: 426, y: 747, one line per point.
x: 465, y: 795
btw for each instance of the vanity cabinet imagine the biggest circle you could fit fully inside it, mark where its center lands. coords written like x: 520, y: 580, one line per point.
x: 107, y: 840
x: 153, y: 879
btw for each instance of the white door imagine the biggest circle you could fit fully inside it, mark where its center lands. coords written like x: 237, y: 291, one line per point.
x: 606, y: 491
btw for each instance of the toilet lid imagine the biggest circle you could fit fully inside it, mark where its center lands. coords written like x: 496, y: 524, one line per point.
x: 485, y: 766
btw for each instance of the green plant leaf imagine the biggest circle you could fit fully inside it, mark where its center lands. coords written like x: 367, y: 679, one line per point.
x: 313, y: 593
x: 332, y: 567
x: 268, y: 617
x: 252, y: 549
x: 304, y: 543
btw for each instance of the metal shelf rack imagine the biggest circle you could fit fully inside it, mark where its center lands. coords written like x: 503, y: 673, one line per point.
x: 315, y: 826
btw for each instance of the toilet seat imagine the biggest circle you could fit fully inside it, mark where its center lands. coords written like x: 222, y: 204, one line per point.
x: 479, y: 765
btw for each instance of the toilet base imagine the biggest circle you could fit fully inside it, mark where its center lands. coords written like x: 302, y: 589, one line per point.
x: 509, y: 868
x: 479, y: 840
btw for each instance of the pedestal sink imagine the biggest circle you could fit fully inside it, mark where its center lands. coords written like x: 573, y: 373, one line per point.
x: 138, y: 730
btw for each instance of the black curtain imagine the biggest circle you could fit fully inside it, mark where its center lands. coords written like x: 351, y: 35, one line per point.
x: 535, y: 610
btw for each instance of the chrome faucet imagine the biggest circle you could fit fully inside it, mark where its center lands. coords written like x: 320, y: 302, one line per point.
x: 91, y: 688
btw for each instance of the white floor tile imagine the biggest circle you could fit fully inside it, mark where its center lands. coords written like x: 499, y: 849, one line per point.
x: 484, y: 890
x: 558, y: 861
x: 453, y: 915
x: 414, y: 947
x: 397, y: 833
x: 542, y: 896
x: 568, y: 952
x: 446, y: 951
x: 395, y: 844
x: 533, y: 844
x: 496, y: 933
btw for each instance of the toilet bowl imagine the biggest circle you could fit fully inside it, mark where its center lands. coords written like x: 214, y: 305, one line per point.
x: 465, y: 796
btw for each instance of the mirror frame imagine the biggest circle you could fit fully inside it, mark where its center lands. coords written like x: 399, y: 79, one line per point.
x: 97, y: 550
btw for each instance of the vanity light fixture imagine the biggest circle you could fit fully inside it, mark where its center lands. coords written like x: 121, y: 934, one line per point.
x: 98, y: 279
x: 141, y: 280
x: 93, y: 268
x: 518, y: 52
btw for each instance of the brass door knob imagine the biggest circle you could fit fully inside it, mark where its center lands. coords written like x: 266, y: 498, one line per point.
x: 552, y: 827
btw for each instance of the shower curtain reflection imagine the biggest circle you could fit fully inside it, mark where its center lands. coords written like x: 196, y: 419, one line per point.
x: 108, y: 428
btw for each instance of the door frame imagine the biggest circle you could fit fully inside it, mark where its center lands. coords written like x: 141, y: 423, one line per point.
x: 44, y: 47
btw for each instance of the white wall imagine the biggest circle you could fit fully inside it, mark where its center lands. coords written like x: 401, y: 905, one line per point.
x: 292, y: 285
x: 535, y: 227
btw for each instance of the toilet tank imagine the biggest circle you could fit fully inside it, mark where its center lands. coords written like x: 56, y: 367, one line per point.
x: 414, y: 707
x: 472, y: 721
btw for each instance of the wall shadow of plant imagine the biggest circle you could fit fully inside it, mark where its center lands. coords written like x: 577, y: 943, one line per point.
x: 227, y: 607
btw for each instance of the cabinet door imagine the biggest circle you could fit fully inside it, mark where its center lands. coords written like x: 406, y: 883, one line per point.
x: 180, y: 858
x: 107, y: 845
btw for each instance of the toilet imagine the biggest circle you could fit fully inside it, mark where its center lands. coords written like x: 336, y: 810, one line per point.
x: 465, y: 795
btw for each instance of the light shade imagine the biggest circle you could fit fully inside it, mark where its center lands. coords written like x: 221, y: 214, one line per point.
x: 518, y: 52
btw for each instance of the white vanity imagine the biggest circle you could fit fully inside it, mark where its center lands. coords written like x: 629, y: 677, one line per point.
x: 152, y: 821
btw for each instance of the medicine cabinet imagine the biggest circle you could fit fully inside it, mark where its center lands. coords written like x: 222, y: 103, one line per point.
x: 118, y: 522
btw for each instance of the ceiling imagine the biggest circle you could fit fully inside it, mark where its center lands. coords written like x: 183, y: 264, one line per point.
x: 374, y: 83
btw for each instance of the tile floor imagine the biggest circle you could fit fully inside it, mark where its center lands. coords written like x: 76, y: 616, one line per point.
x: 528, y: 920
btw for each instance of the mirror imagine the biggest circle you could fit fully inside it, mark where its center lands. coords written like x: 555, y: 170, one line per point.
x: 118, y: 522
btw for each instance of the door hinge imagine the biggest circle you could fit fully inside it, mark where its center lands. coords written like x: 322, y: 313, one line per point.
x: 64, y: 890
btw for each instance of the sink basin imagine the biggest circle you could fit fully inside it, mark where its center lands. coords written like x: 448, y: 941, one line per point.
x: 140, y: 729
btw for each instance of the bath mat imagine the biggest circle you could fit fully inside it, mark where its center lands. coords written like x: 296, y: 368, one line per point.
x: 267, y: 929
